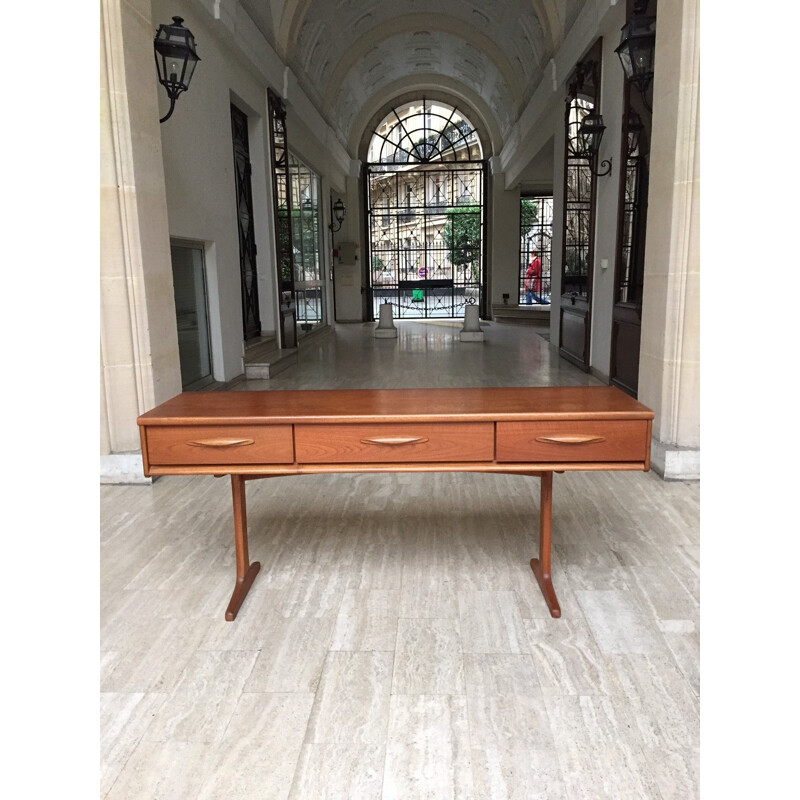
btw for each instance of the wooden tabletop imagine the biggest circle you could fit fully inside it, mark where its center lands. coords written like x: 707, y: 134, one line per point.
x: 397, y: 405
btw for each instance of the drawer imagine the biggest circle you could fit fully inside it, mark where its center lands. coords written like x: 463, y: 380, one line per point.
x: 392, y: 443
x: 557, y: 441
x: 220, y: 444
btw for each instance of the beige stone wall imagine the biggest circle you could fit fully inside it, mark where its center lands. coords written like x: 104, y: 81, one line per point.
x: 669, y: 377
x: 503, y: 255
x: 138, y: 335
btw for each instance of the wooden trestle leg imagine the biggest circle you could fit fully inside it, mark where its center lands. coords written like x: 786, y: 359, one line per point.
x: 541, y: 565
x: 245, y: 571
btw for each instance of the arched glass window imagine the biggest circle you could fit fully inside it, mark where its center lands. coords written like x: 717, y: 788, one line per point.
x: 424, y: 132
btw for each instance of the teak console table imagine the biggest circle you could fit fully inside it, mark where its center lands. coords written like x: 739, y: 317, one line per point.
x: 524, y: 431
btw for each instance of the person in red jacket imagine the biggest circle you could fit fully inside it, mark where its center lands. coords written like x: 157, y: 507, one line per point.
x: 533, y: 279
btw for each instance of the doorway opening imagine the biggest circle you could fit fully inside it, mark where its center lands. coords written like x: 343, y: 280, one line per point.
x: 425, y: 182
x: 535, y: 249
x: 191, y: 310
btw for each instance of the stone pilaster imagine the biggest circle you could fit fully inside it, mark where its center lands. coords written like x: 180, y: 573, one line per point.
x: 139, y: 360
x: 669, y: 365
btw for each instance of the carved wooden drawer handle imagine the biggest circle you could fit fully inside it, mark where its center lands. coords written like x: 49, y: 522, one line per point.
x: 391, y: 440
x: 570, y: 439
x: 221, y: 442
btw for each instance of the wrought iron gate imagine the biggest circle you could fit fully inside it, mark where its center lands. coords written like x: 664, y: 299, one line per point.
x: 425, y: 212
x: 282, y: 200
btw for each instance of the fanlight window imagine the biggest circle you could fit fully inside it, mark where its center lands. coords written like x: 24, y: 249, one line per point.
x: 421, y: 133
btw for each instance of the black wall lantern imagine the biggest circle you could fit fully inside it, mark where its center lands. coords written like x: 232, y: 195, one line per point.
x: 590, y: 134
x: 337, y: 213
x: 175, y: 60
x: 637, y: 49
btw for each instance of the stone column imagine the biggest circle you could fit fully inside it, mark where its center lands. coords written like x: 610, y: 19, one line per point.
x: 139, y: 361
x: 669, y: 365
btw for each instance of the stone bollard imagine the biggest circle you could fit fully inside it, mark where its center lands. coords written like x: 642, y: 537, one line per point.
x: 471, y: 331
x: 386, y: 328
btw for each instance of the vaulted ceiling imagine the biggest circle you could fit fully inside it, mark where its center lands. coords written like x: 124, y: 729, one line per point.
x: 353, y: 58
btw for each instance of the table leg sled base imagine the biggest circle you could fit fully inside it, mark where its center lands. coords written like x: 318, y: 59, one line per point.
x: 246, y: 571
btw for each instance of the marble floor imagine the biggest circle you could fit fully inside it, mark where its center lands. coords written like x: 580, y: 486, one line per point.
x: 395, y: 643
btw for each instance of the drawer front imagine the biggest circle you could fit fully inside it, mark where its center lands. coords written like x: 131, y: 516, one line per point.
x: 394, y: 443
x: 555, y: 442
x: 220, y: 444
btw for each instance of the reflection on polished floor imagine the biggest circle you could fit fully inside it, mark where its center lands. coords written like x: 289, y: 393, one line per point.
x: 395, y: 643
x: 426, y: 354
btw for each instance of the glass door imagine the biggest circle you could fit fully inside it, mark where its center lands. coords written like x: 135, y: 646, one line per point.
x: 309, y: 276
x: 580, y: 191
x: 535, y: 249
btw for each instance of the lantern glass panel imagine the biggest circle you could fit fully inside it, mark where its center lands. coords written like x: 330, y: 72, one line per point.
x: 591, y: 133
x: 641, y: 58
x: 625, y: 59
x: 176, y: 66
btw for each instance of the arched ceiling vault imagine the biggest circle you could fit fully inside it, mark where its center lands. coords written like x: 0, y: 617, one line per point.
x: 417, y: 26
x: 436, y: 56
x: 350, y: 55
